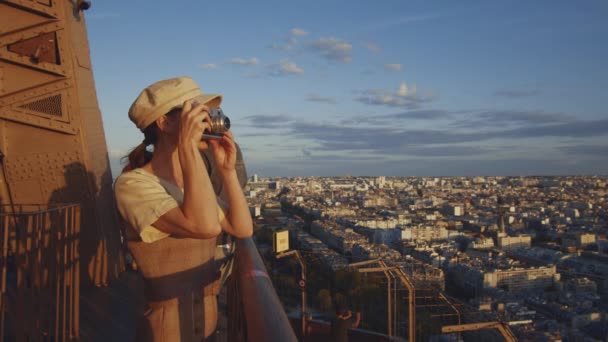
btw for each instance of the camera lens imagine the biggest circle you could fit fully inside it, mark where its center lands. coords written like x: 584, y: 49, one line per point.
x: 226, y: 122
x: 220, y: 123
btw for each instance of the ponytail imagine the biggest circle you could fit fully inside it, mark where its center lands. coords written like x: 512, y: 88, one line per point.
x: 140, y: 156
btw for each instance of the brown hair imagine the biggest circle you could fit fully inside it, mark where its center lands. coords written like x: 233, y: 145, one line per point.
x: 140, y: 156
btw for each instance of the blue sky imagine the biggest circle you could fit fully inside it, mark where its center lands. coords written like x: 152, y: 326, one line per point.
x: 403, y: 88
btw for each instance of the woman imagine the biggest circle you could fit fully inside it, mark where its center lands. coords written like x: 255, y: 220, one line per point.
x: 171, y: 213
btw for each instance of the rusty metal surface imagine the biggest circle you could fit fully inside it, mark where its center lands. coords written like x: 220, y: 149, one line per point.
x: 58, y: 29
x: 40, y: 49
x: 52, y: 135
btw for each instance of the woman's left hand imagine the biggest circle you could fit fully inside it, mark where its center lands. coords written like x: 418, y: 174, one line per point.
x: 224, y: 152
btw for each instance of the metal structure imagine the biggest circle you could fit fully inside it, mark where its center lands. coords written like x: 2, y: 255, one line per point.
x: 391, y: 274
x: 51, y: 133
x: 428, y: 301
x: 301, y: 283
x: 502, y: 328
x: 40, y: 297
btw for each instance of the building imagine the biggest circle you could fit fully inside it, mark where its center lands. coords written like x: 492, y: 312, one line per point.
x: 367, y: 251
x: 336, y: 236
x: 580, y: 285
x: 578, y: 240
x: 327, y: 257
x: 255, y: 211
x: 453, y: 210
x: 483, y: 243
x: 521, y: 279
x: 507, y: 243
x: 378, y: 201
x: 585, y: 239
x: 424, y: 233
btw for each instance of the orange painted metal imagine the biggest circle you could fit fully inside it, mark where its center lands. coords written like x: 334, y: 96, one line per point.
x: 51, y: 132
x: 53, y: 151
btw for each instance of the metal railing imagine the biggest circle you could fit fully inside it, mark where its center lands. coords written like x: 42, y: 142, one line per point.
x: 255, y: 312
x: 40, y: 285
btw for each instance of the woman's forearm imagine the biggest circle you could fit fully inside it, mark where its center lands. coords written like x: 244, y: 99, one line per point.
x: 238, y: 213
x: 199, y: 205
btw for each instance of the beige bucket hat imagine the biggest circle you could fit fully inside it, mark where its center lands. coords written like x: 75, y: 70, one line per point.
x: 163, y: 96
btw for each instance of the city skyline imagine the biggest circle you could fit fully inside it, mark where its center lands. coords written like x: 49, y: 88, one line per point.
x: 412, y: 89
x: 530, y: 252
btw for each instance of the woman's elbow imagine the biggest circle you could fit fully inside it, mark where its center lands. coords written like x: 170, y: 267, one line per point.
x: 207, y: 234
x: 206, y: 230
x: 243, y: 230
x: 248, y: 228
x: 245, y: 233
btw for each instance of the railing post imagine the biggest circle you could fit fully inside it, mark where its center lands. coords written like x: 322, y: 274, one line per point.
x: 265, y: 318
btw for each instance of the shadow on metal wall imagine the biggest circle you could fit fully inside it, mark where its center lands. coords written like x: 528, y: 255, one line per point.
x: 40, y: 272
x: 43, y: 247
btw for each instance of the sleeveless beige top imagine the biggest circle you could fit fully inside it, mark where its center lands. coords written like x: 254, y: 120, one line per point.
x: 180, y: 274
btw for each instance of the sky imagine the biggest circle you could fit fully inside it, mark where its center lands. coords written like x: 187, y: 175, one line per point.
x: 366, y: 88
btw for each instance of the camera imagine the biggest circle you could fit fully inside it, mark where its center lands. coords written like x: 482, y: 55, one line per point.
x: 219, y: 123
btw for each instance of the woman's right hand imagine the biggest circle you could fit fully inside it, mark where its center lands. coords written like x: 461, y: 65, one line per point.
x: 193, y: 121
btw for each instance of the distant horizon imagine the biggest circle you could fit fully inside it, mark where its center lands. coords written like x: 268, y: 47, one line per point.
x: 116, y: 172
x: 415, y: 88
x: 493, y: 176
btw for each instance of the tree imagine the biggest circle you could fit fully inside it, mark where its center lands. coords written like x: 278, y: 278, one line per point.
x: 346, y: 281
x: 324, y: 300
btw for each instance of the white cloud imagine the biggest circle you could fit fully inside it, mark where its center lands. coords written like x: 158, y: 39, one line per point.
x: 334, y: 49
x: 290, y: 67
x: 378, y: 97
x: 393, y: 67
x: 209, y: 66
x: 285, y: 67
x: 291, y: 39
x: 405, y: 96
x: 405, y: 91
x: 372, y: 47
x: 243, y: 61
x: 298, y: 32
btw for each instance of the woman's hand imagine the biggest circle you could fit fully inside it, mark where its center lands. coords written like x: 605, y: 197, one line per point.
x: 224, y: 152
x: 193, y: 121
